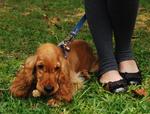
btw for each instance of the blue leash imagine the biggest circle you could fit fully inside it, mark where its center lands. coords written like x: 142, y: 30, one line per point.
x: 64, y: 44
x: 78, y: 26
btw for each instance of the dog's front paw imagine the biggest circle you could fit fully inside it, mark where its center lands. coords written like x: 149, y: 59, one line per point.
x: 54, y: 103
x: 36, y: 93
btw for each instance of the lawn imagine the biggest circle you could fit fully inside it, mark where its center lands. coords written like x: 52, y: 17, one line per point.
x: 26, y: 24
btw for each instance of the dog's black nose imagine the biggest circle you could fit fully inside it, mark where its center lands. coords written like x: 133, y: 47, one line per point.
x: 48, y: 88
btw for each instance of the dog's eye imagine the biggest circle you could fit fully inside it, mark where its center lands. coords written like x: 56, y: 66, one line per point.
x: 57, y: 68
x: 41, y: 67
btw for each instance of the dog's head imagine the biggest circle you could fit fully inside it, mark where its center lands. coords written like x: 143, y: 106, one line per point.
x: 49, y: 70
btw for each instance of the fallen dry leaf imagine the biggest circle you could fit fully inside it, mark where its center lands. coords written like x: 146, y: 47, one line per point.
x: 69, y: 20
x: 140, y: 92
x: 45, y: 17
x: 25, y: 13
x: 54, y: 20
x: 79, y: 12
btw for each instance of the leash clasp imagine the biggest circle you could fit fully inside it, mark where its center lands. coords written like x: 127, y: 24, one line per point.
x: 64, y: 45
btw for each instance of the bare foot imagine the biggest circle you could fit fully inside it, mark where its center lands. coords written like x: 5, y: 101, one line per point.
x: 128, y: 66
x: 110, y: 76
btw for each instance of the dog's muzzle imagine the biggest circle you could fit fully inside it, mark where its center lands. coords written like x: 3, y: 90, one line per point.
x: 48, y: 89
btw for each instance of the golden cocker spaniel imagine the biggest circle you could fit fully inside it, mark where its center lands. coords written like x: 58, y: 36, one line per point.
x: 48, y: 72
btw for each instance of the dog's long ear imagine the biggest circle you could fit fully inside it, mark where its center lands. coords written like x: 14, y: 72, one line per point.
x: 65, y: 85
x: 24, y: 78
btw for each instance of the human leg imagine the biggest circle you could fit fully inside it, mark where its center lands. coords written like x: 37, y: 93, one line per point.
x: 123, y: 16
x: 101, y: 29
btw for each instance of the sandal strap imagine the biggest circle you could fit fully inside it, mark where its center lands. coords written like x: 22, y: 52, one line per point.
x: 132, y: 77
x: 117, y: 86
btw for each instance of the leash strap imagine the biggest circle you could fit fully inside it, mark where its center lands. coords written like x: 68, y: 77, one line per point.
x: 78, y: 26
x: 64, y: 44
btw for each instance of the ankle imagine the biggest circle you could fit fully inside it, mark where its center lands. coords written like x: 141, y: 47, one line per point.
x: 110, y: 76
x: 128, y: 66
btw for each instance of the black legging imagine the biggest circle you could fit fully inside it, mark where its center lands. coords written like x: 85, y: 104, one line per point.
x: 112, y: 16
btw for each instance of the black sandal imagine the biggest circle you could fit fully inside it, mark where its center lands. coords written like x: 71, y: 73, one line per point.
x: 117, y: 86
x: 132, y: 78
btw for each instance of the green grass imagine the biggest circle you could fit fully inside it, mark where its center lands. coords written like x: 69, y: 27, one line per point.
x: 23, y: 28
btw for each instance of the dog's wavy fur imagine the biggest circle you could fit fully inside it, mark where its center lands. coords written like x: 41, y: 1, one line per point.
x: 49, y: 67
